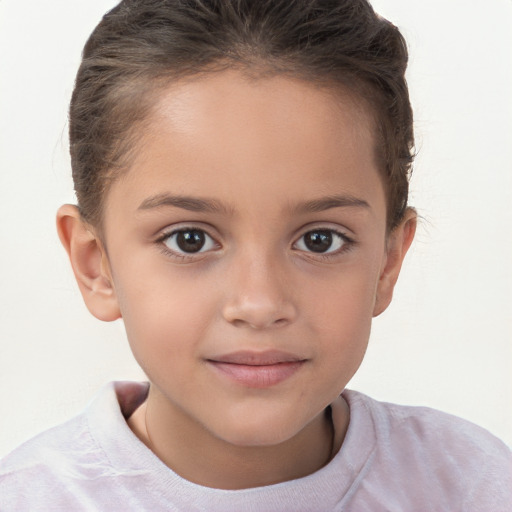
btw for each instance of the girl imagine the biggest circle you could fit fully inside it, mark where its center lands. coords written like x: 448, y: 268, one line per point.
x: 241, y: 170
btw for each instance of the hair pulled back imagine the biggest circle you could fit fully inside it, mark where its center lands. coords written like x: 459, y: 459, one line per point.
x: 141, y: 45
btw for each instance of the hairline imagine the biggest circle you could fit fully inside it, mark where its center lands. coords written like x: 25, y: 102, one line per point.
x: 149, y: 89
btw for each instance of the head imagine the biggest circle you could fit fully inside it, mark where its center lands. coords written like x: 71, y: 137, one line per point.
x: 241, y: 169
x: 141, y: 47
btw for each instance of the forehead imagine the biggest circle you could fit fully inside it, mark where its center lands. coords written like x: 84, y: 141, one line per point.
x: 240, y: 136
x: 290, y: 106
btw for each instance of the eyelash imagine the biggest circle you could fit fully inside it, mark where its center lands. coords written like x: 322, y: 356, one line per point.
x: 182, y: 255
x: 347, y: 243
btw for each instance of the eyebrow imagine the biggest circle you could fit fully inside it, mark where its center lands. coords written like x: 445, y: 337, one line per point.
x: 328, y: 202
x: 206, y: 205
x: 192, y: 204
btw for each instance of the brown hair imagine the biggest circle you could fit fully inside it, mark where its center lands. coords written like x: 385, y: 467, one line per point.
x: 141, y: 45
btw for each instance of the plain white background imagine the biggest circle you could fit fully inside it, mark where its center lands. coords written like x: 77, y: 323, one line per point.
x: 446, y: 340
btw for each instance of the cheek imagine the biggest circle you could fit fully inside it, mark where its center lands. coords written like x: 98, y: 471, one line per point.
x: 345, y: 296
x: 164, y: 311
x: 342, y: 312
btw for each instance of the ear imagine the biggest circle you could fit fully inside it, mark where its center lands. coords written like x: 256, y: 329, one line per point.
x: 397, y: 245
x: 90, y: 263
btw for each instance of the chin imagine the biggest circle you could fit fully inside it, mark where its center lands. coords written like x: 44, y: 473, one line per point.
x: 258, y: 433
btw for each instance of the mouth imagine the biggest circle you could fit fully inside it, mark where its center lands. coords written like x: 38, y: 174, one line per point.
x: 257, y: 369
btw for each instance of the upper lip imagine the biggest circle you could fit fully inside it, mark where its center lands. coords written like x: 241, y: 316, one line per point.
x: 255, y: 358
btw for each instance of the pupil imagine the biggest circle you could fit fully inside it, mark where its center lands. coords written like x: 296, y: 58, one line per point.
x: 190, y: 241
x: 318, y: 241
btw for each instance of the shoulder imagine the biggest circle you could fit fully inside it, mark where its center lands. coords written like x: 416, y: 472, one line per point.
x: 462, y: 464
x: 43, y: 447
x: 51, y: 467
x: 45, y: 462
x: 429, y: 427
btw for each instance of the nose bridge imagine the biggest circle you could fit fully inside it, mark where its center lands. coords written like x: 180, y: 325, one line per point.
x: 259, y: 293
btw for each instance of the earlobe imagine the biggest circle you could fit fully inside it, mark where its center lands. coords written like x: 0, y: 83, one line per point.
x: 89, y: 262
x: 398, y: 243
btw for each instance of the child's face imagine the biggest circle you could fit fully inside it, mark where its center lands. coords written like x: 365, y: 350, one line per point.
x: 250, y: 229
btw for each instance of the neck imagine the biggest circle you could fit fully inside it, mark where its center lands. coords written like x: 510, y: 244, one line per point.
x: 200, y: 457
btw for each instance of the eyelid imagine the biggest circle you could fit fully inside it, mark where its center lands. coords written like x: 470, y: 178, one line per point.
x: 183, y: 225
x: 348, y: 240
x: 209, y: 242
x: 169, y: 231
x: 325, y: 226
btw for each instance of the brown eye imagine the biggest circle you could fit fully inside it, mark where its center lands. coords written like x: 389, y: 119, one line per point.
x: 321, y: 241
x: 318, y: 241
x: 189, y: 241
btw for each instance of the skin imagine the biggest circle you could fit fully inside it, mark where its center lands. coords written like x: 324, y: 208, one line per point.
x: 269, y: 155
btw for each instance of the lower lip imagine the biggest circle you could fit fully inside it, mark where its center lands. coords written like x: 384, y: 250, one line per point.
x: 254, y: 376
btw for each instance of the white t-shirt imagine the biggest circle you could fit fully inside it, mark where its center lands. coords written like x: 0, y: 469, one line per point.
x: 393, y: 458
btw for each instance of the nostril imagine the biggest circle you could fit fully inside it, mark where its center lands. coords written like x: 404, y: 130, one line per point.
x: 258, y: 324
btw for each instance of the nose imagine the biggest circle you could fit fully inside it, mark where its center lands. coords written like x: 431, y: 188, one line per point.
x: 259, y: 295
